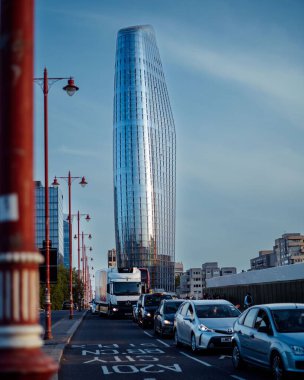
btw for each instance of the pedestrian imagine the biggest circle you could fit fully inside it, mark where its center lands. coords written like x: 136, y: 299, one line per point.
x: 248, y: 300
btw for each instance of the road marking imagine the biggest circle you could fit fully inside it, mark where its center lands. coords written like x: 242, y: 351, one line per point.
x: 165, y: 344
x: 224, y: 356
x: 145, y: 332
x: 197, y: 360
x: 237, y: 377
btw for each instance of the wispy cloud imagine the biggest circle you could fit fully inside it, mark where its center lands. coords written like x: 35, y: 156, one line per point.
x: 281, y: 81
x: 78, y: 152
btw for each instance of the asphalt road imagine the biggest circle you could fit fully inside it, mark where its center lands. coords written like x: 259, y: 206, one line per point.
x: 114, y: 349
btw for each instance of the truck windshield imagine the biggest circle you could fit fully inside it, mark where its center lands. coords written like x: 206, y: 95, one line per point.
x: 126, y: 288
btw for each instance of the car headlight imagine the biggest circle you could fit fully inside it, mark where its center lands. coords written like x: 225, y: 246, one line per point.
x: 204, y: 328
x: 297, y: 350
x: 166, y: 322
x: 147, y: 314
x: 115, y: 309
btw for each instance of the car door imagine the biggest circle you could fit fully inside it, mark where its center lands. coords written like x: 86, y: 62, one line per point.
x: 260, y: 338
x: 245, y: 332
x: 158, y: 317
x: 188, y: 324
x: 179, y: 321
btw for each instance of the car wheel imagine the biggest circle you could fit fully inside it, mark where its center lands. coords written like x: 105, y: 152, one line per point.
x: 237, y: 360
x: 176, y: 340
x: 193, y: 344
x: 277, y: 367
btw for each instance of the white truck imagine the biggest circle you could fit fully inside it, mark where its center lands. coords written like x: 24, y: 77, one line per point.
x: 117, y: 290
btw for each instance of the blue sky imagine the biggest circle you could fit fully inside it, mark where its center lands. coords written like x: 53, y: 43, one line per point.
x: 235, y: 76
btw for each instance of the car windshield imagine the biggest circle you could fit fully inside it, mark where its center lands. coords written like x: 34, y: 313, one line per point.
x: 171, y: 307
x: 126, y: 288
x: 154, y: 299
x: 288, y: 320
x: 216, y: 311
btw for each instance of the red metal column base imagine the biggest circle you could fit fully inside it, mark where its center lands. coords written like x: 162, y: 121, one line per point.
x: 26, y: 364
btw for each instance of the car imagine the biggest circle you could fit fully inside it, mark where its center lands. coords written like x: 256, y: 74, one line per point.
x: 147, y: 305
x: 135, y: 313
x: 66, y: 305
x: 164, y: 316
x: 271, y: 336
x: 205, y: 324
x: 92, y: 305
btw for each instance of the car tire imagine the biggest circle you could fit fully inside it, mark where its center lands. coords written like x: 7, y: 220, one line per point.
x: 236, y: 357
x: 277, y: 367
x: 194, y: 348
x: 176, y: 340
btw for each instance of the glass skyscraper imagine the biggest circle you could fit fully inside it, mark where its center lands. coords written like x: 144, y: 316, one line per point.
x: 144, y: 158
x: 56, y: 218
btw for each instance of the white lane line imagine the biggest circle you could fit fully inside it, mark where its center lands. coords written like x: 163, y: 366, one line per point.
x: 197, y: 360
x: 237, y: 377
x: 145, y: 332
x: 165, y: 344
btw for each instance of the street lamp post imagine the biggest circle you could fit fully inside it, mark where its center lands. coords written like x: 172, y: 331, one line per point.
x: 21, y: 356
x: 70, y: 88
x: 87, y: 218
x: 86, y: 273
x: 83, y: 183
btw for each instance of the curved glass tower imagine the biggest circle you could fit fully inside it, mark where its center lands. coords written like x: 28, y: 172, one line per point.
x: 144, y: 158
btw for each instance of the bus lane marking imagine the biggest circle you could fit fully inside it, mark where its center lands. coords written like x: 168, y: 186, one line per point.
x: 197, y: 360
x: 165, y: 344
x: 151, y: 336
x: 238, y: 377
x: 142, y: 358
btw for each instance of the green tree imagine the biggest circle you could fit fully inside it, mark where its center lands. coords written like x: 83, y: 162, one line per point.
x: 61, y: 290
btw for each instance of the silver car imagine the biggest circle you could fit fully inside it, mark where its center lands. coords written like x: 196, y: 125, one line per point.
x: 205, y: 324
x: 271, y: 336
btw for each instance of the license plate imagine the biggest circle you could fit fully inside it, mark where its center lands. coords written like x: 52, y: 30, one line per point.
x: 227, y: 339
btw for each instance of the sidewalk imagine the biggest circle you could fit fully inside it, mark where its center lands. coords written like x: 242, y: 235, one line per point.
x: 62, y: 332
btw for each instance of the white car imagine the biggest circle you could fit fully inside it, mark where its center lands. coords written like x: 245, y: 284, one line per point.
x: 205, y: 324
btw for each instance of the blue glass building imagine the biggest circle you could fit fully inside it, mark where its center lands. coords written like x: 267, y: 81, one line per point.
x: 66, y: 242
x: 144, y: 158
x: 56, y: 218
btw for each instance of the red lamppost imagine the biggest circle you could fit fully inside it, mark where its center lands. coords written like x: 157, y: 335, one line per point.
x: 83, y: 183
x: 21, y: 356
x: 86, y: 272
x: 87, y: 218
x: 70, y: 88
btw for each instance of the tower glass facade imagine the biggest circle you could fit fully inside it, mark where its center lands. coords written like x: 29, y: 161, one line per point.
x: 144, y: 158
x: 56, y: 218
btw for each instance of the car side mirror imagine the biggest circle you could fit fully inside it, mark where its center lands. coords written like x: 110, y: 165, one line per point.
x: 266, y: 330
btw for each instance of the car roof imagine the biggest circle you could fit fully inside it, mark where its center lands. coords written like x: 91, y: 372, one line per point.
x: 172, y: 300
x: 278, y: 306
x: 210, y: 302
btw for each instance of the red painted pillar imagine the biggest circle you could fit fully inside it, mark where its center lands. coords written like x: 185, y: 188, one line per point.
x: 70, y: 246
x: 20, y: 333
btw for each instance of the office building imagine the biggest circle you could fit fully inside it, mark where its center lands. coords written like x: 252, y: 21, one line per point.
x: 144, y: 158
x: 56, y: 218
x: 66, y: 242
x: 112, y: 258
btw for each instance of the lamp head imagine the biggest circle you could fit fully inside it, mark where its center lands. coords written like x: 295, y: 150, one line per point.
x: 55, y: 182
x: 83, y: 182
x: 70, y: 88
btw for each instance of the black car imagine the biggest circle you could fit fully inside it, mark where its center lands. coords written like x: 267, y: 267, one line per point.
x: 147, y: 305
x: 66, y: 305
x: 164, y: 316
